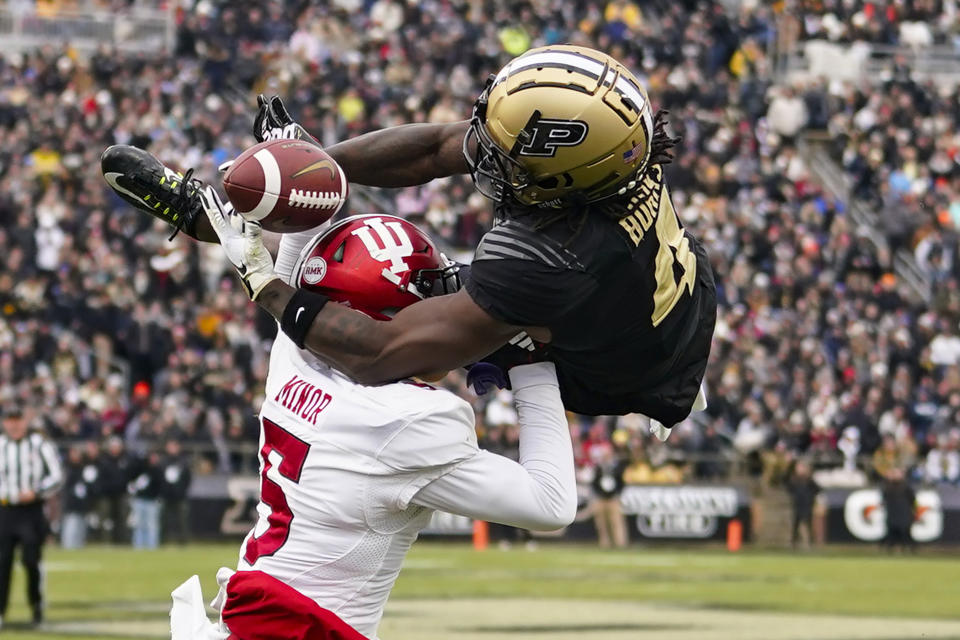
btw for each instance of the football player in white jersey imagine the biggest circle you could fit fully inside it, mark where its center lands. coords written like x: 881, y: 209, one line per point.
x: 350, y: 473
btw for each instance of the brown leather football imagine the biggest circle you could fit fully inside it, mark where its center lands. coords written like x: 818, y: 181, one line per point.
x: 286, y: 185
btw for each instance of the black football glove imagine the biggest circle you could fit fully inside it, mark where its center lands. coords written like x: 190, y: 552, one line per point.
x: 274, y: 123
x: 493, y: 370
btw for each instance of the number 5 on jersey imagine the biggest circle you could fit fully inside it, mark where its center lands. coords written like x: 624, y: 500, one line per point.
x: 282, y: 457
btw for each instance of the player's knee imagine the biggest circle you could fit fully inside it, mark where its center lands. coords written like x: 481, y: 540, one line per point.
x: 557, y: 515
x: 568, y: 512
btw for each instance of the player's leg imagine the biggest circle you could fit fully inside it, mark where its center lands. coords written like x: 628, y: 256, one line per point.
x: 153, y: 524
x: 795, y: 530
x: 32, y: 533
x: 71, y: 532
x: 903, y: 536
x: 182, y: 515
x: 103, y: 530
x: 890, y: 538
x: 139, y: 521
x: 120, y: 513
x: 601, y: 522
x: 618, y: 524
x: 7, y: 547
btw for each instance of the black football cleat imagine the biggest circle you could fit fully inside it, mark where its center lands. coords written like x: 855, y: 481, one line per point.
x: 143, y: 181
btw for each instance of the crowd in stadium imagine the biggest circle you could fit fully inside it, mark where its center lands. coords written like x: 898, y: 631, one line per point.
x: 110, y: 331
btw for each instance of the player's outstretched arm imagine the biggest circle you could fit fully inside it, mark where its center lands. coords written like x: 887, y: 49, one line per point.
x: 402, y: 156
x: 539, y: 492
x: 399, y: 156
x: 437, y: 334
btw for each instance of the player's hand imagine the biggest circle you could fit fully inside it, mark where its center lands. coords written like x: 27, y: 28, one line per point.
x: 272, y: 122
x: 492, y: 370
x: 242, y: 241
x: 27, y: 495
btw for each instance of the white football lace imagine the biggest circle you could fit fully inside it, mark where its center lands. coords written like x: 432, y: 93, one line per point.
x: 313, y: 199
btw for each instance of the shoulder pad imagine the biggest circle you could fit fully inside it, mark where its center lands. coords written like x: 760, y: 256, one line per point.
x: 443, y: 434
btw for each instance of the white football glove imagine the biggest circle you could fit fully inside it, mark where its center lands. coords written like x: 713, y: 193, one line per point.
x: 242, y: 241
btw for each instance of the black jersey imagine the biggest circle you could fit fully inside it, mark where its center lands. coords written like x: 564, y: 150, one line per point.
x: 630, y: 303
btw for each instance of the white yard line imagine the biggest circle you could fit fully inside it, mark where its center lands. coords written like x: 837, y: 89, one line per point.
x: 551, y: 619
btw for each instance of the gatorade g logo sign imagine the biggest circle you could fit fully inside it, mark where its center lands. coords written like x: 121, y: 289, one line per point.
x: 391, y: 244
x: 542, y: 138
x: 866, y: 518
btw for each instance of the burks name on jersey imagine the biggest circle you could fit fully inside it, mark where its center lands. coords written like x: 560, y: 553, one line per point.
x: 304, y: 399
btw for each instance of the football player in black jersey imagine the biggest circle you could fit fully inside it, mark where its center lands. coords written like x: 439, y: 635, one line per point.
x: 588, y: 255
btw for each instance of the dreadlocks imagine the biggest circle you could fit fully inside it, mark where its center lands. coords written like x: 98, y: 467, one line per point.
x: 661, y: 144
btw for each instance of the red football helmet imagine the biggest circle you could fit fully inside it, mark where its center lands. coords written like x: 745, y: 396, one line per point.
x: 377, y: 264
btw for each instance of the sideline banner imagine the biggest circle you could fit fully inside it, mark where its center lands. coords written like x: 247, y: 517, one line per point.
x: 222, y: 506
x: 858, y: 515
x: 226, y: 507
x: 685, y: 512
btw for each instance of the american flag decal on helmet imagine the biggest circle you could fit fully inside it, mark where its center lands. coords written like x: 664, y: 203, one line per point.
x: 633, y: 154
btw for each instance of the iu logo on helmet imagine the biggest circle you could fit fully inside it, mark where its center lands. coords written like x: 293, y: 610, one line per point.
x: 387, y: 246
x: 544, y: 136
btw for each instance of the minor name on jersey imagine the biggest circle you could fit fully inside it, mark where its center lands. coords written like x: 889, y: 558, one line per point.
x: 644, y: 205
x: 303, y: 399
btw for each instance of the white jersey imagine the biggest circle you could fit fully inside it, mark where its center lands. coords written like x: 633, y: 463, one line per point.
x: 340, y: 463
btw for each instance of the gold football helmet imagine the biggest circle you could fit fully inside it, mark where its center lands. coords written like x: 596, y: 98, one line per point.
x: 559, y: 123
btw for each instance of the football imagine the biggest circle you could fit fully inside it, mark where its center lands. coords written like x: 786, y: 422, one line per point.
x: 286, y: 185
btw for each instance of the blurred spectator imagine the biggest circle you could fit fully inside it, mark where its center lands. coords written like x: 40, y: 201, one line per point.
x: 145, y: 504
x: 899, y: 501
x: 638, y: 469
x: 80, y: 492
x: 787, y: 114
x: 777, y: 465
x: 173, y: 490
x: 810, y: 311
x: 889, y: 459
x: 943, y: 461
x: 607, y: 484
x: 712, y: 448
x: 803, y: 494
x: 115, y: 472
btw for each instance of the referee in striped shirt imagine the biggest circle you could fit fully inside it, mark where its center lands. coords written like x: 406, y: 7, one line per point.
x: 29, y: 474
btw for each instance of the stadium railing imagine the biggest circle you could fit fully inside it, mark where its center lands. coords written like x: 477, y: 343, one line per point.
x: 833, y: 178
x: 813, y: 59
x: 139, y: 30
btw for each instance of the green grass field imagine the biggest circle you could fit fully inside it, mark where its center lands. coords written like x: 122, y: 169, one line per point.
x: 450, y: 590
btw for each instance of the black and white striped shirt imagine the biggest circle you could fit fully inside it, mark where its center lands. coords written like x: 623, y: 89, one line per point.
x: 30, y: 463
